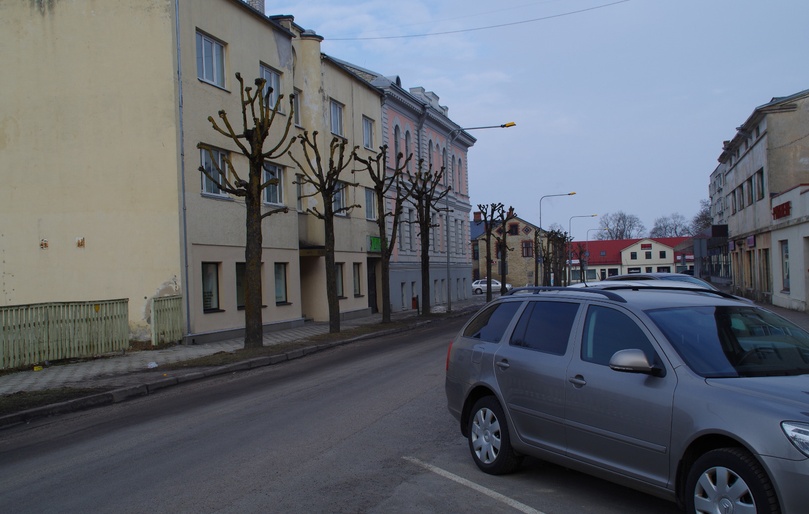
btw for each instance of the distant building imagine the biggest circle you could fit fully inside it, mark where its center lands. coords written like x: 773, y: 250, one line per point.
x: 608, y: 258
x: 519, y: 262
x: 760, y: 191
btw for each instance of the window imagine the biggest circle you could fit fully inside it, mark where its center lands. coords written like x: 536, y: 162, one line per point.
x: 299, y: 192
x: 475, y: 251
x: 491, y: 324
x: 339, y: 199
x: 273, y: 193
x: 397, y: 136
x: 240, y: 267
x: 407, y: 148
x: 607, y: 331
x: 281, y: 283
x: 210, y: 60
x: 273, y: 79
x: 748, y: 187
x: 296, y: 107
x: 545, y: 327
x: 339, y: 272
x: 514, y: 229
x: 527, y: 248
x: 662, y: 254
x: 210, y: 286
x: 648, y: 255
x: 760, y: 184
x: 784, y: 265
x: 633, y: 256
x: 357, y: 279
x: 209, y: 159
x: 370, y: 204
x: 367, y: 133
x: 336, y: 118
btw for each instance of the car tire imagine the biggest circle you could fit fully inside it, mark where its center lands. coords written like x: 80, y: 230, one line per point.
x: 729, y: 480
x: 478, y: 291
x: 489, y: 439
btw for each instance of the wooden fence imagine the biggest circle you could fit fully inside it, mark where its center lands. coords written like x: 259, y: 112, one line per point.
x: 167, y: 319
x: 31, y: 334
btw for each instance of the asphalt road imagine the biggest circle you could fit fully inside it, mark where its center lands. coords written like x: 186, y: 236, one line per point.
x: 360, y: 428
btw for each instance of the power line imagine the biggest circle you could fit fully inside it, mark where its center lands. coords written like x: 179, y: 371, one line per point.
x: 480, y: 28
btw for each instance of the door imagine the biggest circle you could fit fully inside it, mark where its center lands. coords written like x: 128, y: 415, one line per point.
x: 618, y: 420
x: 530, y: 372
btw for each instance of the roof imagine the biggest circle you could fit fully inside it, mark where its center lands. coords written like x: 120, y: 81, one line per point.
x: 612, y: 248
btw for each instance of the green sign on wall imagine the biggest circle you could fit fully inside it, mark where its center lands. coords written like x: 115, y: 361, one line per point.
x: 374, y: 244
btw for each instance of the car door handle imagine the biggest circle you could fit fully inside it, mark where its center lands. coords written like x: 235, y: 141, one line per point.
x: 503, y: 364
x: 577, y: 381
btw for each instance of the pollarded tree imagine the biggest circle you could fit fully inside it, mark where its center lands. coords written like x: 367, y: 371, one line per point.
x: 326, y: 183
x: 489, y: 215
x: 502, y: 218
x: 555, y: 255
x: 387, y: 185
x: 258, y: 117
x: 421, y: 190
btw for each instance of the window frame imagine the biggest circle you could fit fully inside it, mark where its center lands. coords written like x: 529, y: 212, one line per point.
x: 336, y: 110
x: 338, y: 200
x: 367, y: 132
x: 281, y: 286
x: 357, y: 268
x: 220, y: 156
x: 211, y: 277
x: 273, y: 79
x: 277, y: 189
x: 338, y: 268
x: 370, y: 204
x: 217, y: 60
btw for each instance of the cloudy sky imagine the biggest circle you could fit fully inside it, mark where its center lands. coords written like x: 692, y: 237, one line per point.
x: 624, y: 102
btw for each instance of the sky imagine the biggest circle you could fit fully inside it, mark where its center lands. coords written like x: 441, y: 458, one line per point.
x: 626, y: 103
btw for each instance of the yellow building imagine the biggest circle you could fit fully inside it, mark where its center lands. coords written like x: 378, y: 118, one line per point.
x: 103, y: 106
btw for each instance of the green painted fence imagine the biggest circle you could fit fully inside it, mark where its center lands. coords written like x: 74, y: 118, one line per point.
x: 32, y: 334
x: 167, y: 319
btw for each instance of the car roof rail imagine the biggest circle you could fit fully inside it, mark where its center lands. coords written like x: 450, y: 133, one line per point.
x: 655, y: 285
x: 593, y: 290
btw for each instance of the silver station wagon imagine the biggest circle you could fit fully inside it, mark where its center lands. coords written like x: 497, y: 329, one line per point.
x: 687, y: 394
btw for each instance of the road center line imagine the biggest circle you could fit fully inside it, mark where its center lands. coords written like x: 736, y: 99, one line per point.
x: 488, y: 492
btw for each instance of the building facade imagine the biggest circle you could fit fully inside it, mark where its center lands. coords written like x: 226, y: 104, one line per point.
x: 518, y: 267
x: 608, y: 258
x: 765, y: 175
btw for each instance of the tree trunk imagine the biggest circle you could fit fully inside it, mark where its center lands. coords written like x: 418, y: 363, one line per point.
x: 331, y: 274
x: 425, y: 268
x: 253, y: 325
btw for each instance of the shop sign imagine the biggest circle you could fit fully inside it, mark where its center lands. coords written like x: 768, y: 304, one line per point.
x: 751, y: 241
x: 782, y: 211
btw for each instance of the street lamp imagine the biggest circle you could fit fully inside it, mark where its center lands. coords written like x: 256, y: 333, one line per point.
x: 453, y: 134
x: 570, y: 235
x: 538, y: 235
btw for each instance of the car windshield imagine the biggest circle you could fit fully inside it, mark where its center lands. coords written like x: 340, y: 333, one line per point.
x: 731, y: 341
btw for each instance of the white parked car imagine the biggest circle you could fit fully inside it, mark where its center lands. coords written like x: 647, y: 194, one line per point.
x: 479, y: 286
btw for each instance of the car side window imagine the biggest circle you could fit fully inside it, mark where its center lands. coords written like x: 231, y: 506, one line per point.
x: 545, y: 326
x: 607, y: 331
x: 491, y: 324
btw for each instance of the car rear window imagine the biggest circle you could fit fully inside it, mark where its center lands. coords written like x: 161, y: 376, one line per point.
x: 491, y: 324
x: 545, y: 326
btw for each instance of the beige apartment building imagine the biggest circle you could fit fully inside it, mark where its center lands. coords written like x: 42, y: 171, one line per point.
x: 103, y: 106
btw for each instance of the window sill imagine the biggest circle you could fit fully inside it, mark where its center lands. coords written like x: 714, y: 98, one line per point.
x: 214, y: 196
x: 282, y: 304
x: 214, y: 84
x: 211, y: 311
x: 342, y: 298
x: 241, y: 307
x: 359, y: 296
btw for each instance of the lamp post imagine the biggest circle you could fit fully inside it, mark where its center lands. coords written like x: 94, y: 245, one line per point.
x: 587, y: 251
x: 538, y: 237
x: 570, y: 235
x: 453, y: 134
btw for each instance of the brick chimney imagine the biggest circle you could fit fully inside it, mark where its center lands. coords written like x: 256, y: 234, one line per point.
x: 258, y: 5
x: 476, y: 217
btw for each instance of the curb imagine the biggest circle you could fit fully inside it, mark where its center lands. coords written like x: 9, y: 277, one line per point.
x: 127, y: 393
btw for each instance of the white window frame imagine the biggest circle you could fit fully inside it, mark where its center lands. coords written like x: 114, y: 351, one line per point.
x: 370, y: 204
x: 367, y: 132
x: 336, y: 117
x: 210, y: 187
x: 339, y: 198
x: 274, y: 194
x: 357, y: 279
x: 210, y: 286
x: 273, y: 80
x: 296, y: 106
x: 210, y: 60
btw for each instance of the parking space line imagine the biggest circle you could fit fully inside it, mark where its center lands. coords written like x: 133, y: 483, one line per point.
x: 464, y: 482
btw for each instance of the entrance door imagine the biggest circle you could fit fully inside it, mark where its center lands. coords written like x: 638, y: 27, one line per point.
x: 372, y: 302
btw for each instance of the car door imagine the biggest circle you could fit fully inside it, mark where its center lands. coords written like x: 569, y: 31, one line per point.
x: 530, y: 372
x: 618, y: 420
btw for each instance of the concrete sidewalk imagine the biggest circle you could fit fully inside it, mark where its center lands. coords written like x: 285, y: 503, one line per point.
x: 137, y: 366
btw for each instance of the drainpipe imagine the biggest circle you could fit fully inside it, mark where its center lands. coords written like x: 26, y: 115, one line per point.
x: 186, y: 294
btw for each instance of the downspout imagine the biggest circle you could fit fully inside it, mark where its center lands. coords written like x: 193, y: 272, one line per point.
x: 186, y: 293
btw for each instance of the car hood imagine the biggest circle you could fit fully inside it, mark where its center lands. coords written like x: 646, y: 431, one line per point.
x: 778, y: 389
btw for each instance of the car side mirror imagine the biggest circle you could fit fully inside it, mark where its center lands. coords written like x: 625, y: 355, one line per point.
x: 634, y: 361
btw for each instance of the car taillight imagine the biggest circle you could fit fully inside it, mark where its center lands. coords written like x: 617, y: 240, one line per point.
x: 449, y: 350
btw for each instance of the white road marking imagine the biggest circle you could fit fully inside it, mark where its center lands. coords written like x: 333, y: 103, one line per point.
x: 464, y: 482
